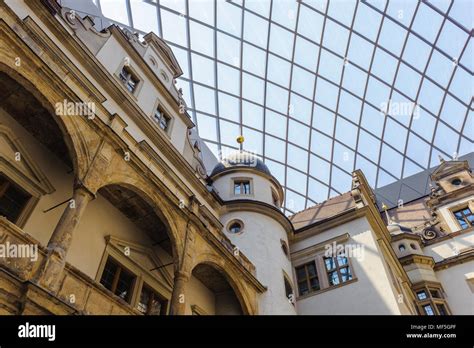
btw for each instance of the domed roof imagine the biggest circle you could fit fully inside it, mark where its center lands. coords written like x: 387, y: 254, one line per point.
x: 241, y: 159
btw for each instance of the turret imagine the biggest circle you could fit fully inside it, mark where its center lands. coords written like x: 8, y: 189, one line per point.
x: 254, y: 223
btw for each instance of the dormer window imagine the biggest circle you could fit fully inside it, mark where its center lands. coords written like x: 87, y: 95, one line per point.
x: 242, y: 187
x: 162, y: 119
x: 129, y: 79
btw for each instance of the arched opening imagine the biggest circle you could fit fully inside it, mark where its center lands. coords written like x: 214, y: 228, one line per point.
x: 138, y: 260
x: 141, y: 212
x: 26, y: 110
x: 222, y: 299
x: 36, y: 156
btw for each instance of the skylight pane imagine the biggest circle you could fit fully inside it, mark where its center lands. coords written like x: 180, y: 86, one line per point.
x: 202, y: 38
x: 367, y: 22
x: 427, y: 23
x: 335, y: 37
x: 228, y: 49
x: 306, y: 53
x: 369, y: 146
x: 303, y: 82
x: 228, y: 79
x: 277, y: 98
x: 284, y: 12
x: 326, y: 94
x: 229, y: 107
x: 278, y: 70
x: 350, y: 106
x: 275, y: 124
x: 115, y: 10
x: 173, y: 27
x: 252, y: 88
x: 275, y: 148
x: 319, y: 168
x: 298, y: 134
x: 300, y: 108
x: 229, y: 17
x: 203, y: 70
x: 299, y: 160
x: 252, y: 115
x: 202, y: 10
x: 145, y: 16
x: 205, y: 99
x: 253, y: 25
x: 254, y: 60
x: 310, y: 24
x: 281, y: 41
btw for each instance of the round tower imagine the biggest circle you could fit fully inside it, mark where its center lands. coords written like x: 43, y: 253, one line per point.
x: 254, y: 223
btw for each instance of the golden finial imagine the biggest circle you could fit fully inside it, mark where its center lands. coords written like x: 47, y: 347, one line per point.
x: 384, y: 206
x: 240, y: 140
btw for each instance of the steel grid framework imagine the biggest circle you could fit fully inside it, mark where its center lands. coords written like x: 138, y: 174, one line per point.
x: 313, y: 153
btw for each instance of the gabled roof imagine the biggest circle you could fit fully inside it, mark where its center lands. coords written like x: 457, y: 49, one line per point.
x: 447, y: 168
x: 165, y: 52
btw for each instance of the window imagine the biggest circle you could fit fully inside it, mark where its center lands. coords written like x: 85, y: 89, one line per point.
x: 465, y: 217
x: 430, y: 300
x: 235, y: 226
x: 242, y: 187
x: 401, y: 247
x: 288, y: 291
x: 13, y: 199
x: 150, y: 302
x: 441, y: 309
x: 307, y: 278
x: 337, y: 269
x: 162, y: 119
x: 118, y: 280
x: 421, y: 295
x: 129, y: 79
x: 428, y: 310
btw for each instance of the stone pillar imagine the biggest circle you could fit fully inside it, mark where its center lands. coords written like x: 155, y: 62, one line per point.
x: 178, y: 298
x: 60, y: 241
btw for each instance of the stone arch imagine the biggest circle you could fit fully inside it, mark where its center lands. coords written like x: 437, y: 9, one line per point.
x: 44, y: 94
x: 134, y: 183
x: 223, y: 267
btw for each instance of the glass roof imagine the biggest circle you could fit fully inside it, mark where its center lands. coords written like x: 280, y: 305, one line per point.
x: 321, y: 88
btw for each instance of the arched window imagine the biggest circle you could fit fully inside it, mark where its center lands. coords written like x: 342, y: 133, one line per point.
x: 289, y: 291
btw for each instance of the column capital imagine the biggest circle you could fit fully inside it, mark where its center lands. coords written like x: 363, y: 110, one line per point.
x: 79, y: 186
x: 181, y: 275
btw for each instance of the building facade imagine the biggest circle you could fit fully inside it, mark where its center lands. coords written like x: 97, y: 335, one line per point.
x: 107, y: 207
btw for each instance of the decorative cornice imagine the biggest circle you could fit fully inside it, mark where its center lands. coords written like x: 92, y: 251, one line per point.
x: 415, y: 258
x: 463, y: 257
x: 259, y: 207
